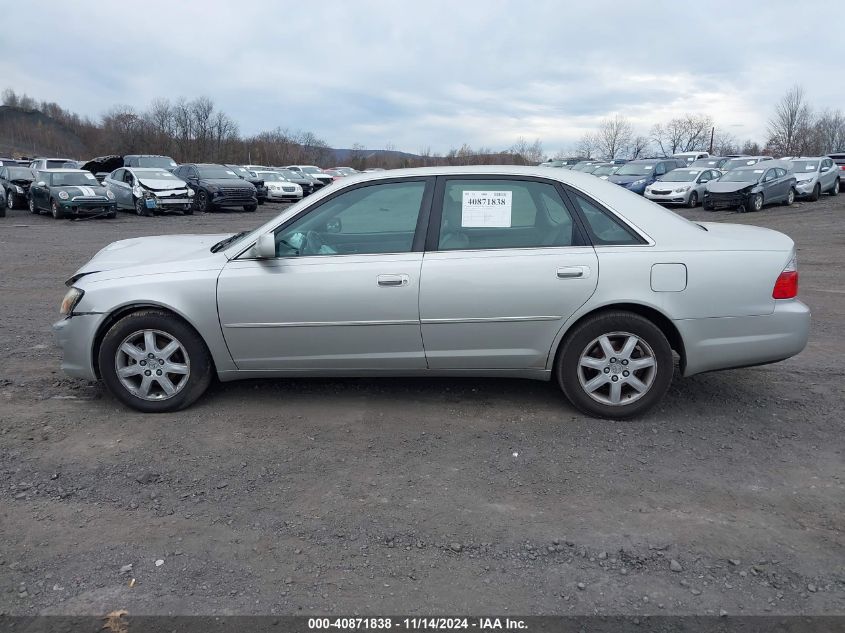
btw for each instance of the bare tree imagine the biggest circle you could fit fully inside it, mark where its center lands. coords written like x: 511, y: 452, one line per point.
x: 638, y: 147
x: 829, y: 132
x: 686, y: 133
x: 789, y: 128
x: 614, y: 136
x: 527, y: 153
x: 587, y: 145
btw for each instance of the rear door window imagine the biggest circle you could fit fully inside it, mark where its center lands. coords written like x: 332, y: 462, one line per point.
x: 503, y: 213
x: 604, y: 228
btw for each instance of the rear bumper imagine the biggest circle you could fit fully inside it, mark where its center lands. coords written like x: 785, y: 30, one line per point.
x: 75, y: 336
x: 728, y: 342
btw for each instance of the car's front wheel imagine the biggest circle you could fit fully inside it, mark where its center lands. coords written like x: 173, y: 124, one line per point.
x: 33, y: 208
x: 817, y: 191
x: 56, y: 210
x: 250, y: 207
x: 692, y: 203
x: 203, y: 203
x: 154, y: 362
x: 615, y: 365
x: 11, y: 200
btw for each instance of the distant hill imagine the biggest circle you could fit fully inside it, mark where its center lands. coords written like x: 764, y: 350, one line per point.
x: 31, y: 133
x: 343, y: 156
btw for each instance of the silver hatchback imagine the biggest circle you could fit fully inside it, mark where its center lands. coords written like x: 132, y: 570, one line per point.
x: 487, y: 271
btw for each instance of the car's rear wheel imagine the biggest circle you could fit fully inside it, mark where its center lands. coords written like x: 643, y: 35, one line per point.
x: 56, y: 210
x: 835, y: 190
x: 32, y: 206
x: 250, y: 207
x: 615, y: 365
x: 817, y: 191
x: 692, y: 203
x: 790, y: 197
x: 153, y: 362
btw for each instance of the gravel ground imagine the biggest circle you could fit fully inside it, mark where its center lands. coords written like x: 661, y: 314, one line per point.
x: 417, y: 496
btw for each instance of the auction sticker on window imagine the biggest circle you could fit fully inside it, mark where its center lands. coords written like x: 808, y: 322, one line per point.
x: 486, y: 209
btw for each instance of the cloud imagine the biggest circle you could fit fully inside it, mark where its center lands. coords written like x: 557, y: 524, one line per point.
x: 434, y: 74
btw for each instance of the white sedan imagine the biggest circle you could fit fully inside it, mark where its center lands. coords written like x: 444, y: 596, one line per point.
x: 278, y: 188
x: 681, y: 186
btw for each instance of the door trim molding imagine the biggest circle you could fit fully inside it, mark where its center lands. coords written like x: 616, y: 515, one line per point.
x: 322, y: 323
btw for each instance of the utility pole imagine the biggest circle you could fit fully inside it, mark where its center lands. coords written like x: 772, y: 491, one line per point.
x: 712, y: 135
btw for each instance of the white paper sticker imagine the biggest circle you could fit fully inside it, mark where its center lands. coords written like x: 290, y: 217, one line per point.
x: 758, y: 171
x: 228, y: 171
x: 810, y: 167
x: 486, y: 209
x: 751, y: 162
x: 173, y: 163
x: 90, y: 176
x: 648, y: 167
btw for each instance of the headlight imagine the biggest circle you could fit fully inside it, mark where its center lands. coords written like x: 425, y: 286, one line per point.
x: 638, y: 182
x: 109, y: 195
x: 681, y: 189
x: 190, y: 192
x: 18, y: 189
x: 63, y: 195
x: 72, y: 298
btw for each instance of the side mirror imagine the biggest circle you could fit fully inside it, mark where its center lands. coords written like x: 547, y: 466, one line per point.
x: 334, y: 226
x: 825, y: 169
x: 265, y: 247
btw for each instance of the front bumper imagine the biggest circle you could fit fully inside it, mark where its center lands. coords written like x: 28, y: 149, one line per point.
x: 273, y: 194
x: 640, y: 189
x: 668, y: 198
x: 725, y: 200
x: 75, y: 336
x: 233, y: 200
x: 805, y: 188
x: 728, y: 342
x: 80, y: 207
x: 173, y: 203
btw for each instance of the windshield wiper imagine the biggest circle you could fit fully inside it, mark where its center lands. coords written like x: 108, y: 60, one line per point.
x: 225, y: 242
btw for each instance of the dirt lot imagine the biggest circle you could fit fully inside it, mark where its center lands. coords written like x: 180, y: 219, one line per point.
x: 417, y: 496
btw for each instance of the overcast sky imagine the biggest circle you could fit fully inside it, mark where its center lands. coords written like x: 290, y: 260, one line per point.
x: 435, y: 74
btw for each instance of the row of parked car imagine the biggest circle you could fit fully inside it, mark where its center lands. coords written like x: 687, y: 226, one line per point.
x: 149, y: 184
x: 744, y: 183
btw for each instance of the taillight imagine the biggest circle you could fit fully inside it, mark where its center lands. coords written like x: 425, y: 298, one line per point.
x: 786, y: 286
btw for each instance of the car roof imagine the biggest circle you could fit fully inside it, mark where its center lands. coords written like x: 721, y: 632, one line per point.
x: 134, y: 169
x: 66, y: 171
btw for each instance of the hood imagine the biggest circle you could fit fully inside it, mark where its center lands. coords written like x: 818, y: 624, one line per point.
x: 801, y: 176
x: 728, y: 187
x: 22, y: 181
x: 94, y: 189
x: 103, y: 164
x: 161, y: 185
x: 624, y: 180
x: 167, y: 251
x: 225, y: 182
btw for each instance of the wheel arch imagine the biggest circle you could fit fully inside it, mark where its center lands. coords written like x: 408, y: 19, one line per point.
x: 663, y: 322
x: 118, y: 313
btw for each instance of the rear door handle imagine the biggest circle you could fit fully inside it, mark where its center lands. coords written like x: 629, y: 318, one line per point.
x: 573, y: 272
x: 393, y: 280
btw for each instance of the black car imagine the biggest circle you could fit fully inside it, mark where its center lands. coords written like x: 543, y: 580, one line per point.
x: 255, y: 179
x: 70, y: 192
x: 15, y: 182
x: 148, y: 160
x: 217, y: 187
x: 309, y: 185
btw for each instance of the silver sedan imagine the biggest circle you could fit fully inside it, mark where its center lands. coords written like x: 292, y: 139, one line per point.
x: 488, y: 271
x: 682, y: 186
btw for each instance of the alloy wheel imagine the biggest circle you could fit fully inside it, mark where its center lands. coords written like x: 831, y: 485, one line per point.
x: 617, y: 368
x: 152, y: 365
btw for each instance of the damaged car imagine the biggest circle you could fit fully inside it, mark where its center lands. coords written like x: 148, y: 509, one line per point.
x: 15, y: 182
x: 70, y: 193
x: 149, y: 191
x: 752, y: 187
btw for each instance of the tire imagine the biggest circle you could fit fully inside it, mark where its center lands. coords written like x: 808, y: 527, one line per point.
x: 187, y: 211
x: 32, y: 208
x: 692, y: 203
x: 141, y: 209
x: 817, y: 191
x: 203, y: 203
x: 581, y: 361
x: 56, y: 210
x: 250, y: 207
x: 111, y: 215
x: 11, y: 200
x: 151, y: 332
x: 755, y: 202
x: 790, y: 197
x: 835, y: 190
x: 707, y: 207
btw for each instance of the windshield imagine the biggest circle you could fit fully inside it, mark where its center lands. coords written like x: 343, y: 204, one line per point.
x: 217, y: 171
x: 706, y: 162
x: 21, y: 172
x: 287, y: 173
x: 269, y: 176
x: 62, y: 179
x: 312, y: 170
x: 742, y: 175
x: 157, y: 174
x: 58, y: 164
x: 739, y: 162
x: 635, y: 169
x: 799, y: 166
x: 680, y: 175
x: 604, y: 170
x: 163, y: 162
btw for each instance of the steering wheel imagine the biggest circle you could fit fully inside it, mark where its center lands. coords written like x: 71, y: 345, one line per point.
x: 311, y: 243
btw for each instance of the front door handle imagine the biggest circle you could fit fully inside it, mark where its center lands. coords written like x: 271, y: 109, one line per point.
x: 573, y: 272
x: 393, y: 280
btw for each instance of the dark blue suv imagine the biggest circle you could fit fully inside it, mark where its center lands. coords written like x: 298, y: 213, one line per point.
x: 636, y: 175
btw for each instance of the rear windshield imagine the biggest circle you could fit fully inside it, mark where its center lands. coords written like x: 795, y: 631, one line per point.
x: 58, y: 164
x: 164, y: 162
